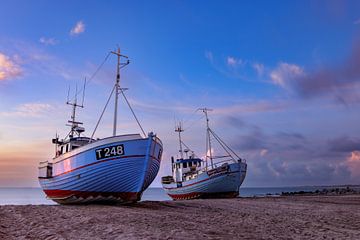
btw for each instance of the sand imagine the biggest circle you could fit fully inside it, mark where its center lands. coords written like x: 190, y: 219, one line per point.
x: 293, y: 217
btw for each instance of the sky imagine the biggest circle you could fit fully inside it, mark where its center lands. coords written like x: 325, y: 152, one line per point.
x: 282, y: 78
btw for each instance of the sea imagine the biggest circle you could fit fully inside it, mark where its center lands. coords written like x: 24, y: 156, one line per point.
x: 35, y: 196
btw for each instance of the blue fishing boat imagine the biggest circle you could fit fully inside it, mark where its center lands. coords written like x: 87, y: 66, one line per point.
x: 193, y: 177
x: 117, y: 168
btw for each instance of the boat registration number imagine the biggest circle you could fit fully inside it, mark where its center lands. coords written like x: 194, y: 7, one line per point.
x: 112, y: 151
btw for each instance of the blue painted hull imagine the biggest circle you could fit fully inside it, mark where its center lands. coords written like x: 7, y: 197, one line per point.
x: 80, y: 177
x: 223, y: 182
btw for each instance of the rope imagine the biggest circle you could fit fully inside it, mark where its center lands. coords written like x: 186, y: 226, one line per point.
x: 97, y: 124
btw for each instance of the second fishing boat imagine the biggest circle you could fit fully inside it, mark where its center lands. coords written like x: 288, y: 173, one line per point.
x: 193, y: 177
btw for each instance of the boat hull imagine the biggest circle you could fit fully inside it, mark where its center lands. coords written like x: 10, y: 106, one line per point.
x: 222, y: 182
x: 82, y: 178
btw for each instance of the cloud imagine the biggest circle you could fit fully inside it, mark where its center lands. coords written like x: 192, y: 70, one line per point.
x: 255, y: 140
x: 253, y: 107
x: 28, y: 110
x: 48, y: 41
x: 353, y: 162
x: 259, y: 68
x: 233, y: 62
x: 36, y: 60
x: 290, y: 158
x: 78, y: 28
x: 263, y: 152
x: 344, y: 144
x: 340, y: 81
x: 229, y: 67
x: 9, y: 69
x: 209, y: 56
x: 285, y: 73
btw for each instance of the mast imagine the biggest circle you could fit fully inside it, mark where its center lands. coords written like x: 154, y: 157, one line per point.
x: 117, y: 86
x: 208, y: 139
x: 179, y: 130
x: 73, y: 123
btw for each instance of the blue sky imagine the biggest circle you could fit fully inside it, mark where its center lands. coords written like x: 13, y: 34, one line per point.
x: 281, y: 76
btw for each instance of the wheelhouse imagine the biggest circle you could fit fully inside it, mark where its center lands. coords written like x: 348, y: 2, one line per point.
x: 68, y: 145
x: 185, y: 169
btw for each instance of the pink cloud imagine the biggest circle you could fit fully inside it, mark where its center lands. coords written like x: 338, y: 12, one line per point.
x: 78, y: 28
x: 285, y: 73
x: 9, y: 69
x: 353, y: 162
x: 28, y: 110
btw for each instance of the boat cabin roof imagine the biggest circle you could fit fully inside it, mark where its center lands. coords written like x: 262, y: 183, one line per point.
x: 188, y: 160
x: 77, y: 140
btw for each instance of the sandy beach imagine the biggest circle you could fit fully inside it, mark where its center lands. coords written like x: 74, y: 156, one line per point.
x: 293, y: 217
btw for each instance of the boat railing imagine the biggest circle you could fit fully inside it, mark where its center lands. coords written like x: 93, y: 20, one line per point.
x: 218, y: 164
x: 229, y: 160
x: 158, y: 140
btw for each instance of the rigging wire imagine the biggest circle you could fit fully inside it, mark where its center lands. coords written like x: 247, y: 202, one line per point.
x: 226, y: 150
x: 122, y: 92
x: 189, y: 118
x: 193, y: 122
x: 221, y: 141
x: 102, y: 113
x: 93, y: 75
x: 189, y: 148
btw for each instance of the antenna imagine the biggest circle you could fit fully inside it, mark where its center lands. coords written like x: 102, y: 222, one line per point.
x: 73, y: 123
x: 67, y: 99
x: 208, y: 139
x: 76, y: 93
x: 178, y: 128
x: 83, y: 97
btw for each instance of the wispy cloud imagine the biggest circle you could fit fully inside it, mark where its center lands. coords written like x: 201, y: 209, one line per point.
x: 229, y: 67
x: 35, y: 59
x: 48, y: 41
x: 28, y: 110
x: 209, y: 56
x: 259, y: 68
x: 233, y: 62
x: 77, y: 29
x: 236, y: 67
x: 253, y: 107
x: 9, y: 69
x: 285, y: 73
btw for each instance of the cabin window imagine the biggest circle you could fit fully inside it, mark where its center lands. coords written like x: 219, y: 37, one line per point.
x: 74, y: 147
x: 67, y: 148
x: 199, y: 164
x: 178, y: 165
x: 62, y: 149
x: 184, y: 165
x: 190, y: 164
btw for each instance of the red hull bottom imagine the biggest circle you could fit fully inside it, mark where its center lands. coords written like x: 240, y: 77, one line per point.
x: 201, y: 195
x: 73, y: 197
